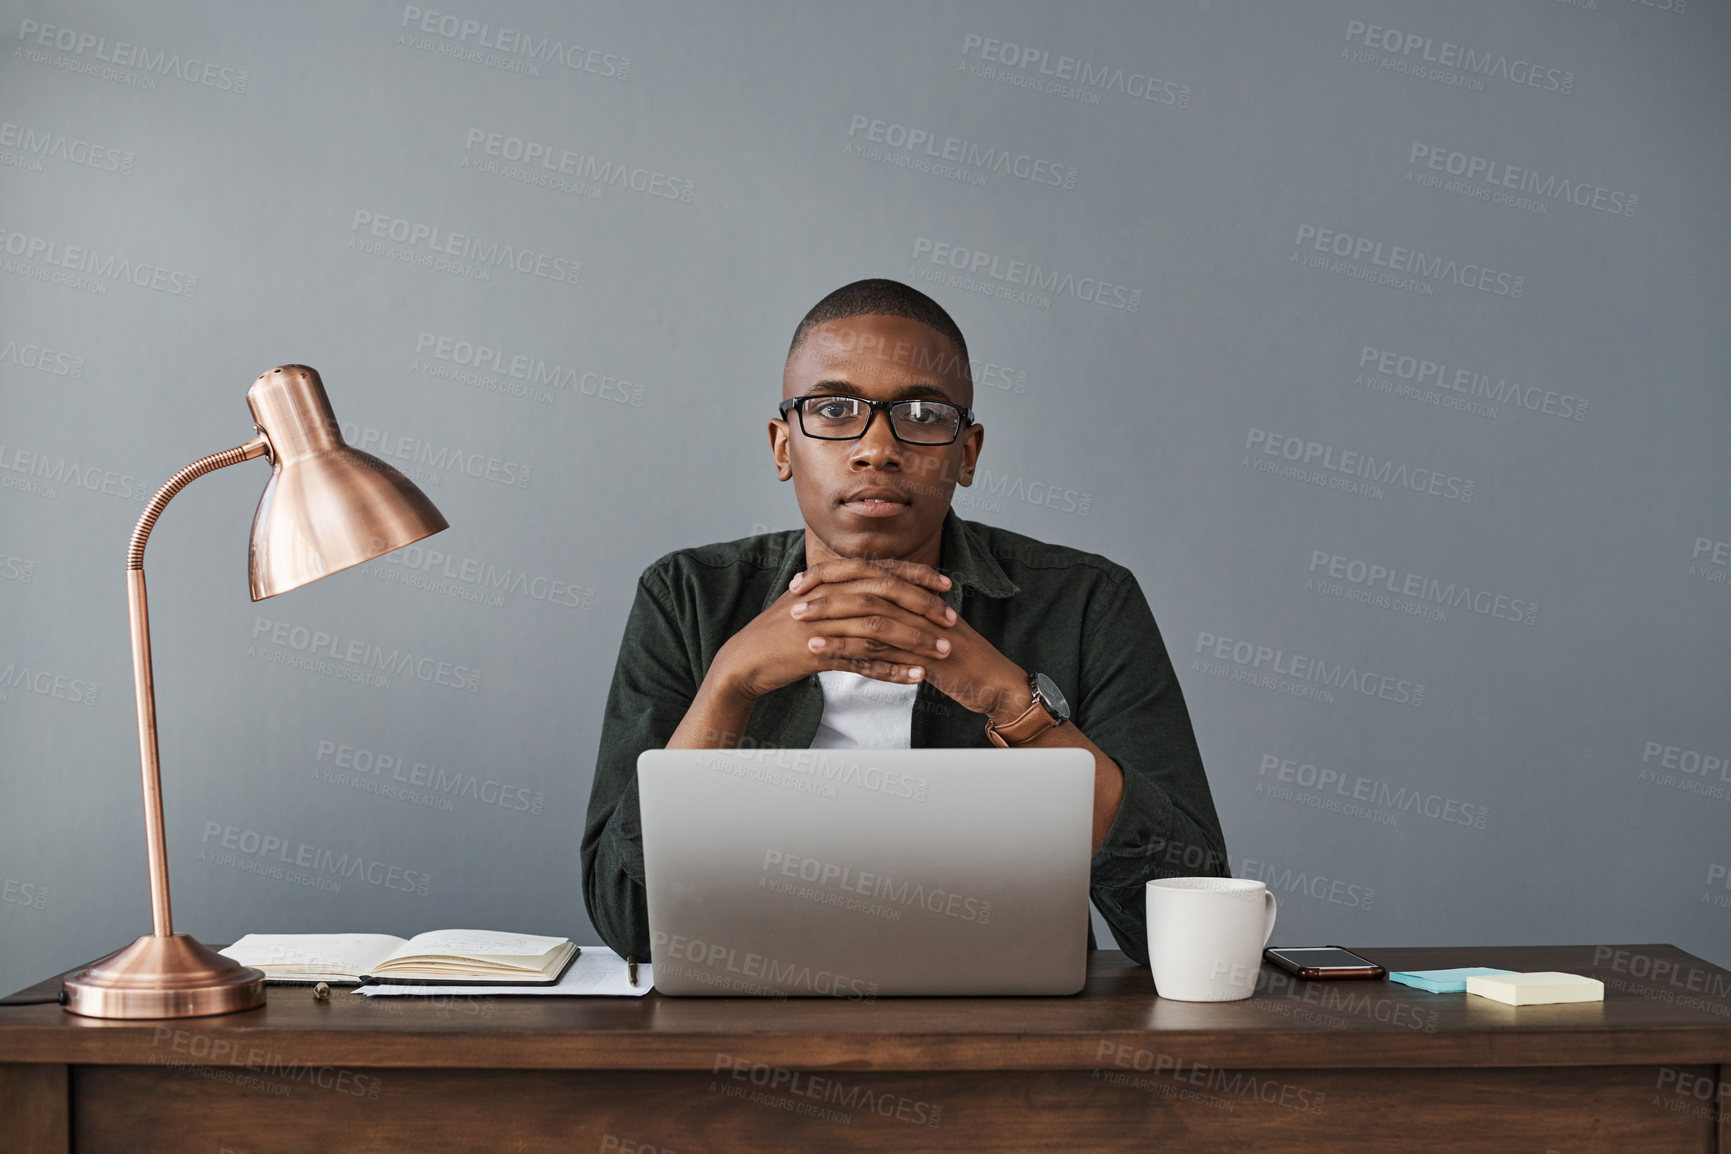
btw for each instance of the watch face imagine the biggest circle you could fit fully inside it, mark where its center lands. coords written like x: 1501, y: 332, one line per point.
x: 1053, y: 697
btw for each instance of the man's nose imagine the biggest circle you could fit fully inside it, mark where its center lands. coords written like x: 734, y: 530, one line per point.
x: 878, y: 447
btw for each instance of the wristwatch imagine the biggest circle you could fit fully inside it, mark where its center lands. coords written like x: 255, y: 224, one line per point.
x: 1048, y: 710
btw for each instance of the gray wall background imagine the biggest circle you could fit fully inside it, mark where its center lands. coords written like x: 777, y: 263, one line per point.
x: 190, y: 197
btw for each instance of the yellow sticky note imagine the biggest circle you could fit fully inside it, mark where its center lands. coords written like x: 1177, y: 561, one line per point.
x: 1537, y: 989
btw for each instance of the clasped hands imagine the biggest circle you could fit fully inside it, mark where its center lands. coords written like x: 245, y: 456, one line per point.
x: 884, y: 619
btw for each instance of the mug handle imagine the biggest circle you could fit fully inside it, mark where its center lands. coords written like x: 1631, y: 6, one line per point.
x: 1270, y: 908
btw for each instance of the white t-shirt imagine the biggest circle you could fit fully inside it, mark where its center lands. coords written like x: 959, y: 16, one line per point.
x: 860, y: 712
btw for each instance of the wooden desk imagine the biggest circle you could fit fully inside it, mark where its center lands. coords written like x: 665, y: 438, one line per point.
x: 1344, y: 1066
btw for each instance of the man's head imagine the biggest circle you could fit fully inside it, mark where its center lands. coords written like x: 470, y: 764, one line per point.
x: 877, y: 340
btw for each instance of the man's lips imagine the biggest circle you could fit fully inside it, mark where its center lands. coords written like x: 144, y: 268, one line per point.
x: 876, y: 501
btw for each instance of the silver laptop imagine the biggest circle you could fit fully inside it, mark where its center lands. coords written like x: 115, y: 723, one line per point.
x: 860, y: 874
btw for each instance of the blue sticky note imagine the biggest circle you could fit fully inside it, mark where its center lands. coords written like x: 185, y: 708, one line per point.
x: 1444, y: 981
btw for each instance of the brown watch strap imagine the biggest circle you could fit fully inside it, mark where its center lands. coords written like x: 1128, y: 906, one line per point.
x: 1023, y: 728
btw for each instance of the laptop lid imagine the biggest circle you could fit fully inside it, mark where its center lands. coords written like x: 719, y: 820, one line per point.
x: 865, y: 873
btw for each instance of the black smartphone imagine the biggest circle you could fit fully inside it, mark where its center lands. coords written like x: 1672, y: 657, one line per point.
x: 1321, y: 963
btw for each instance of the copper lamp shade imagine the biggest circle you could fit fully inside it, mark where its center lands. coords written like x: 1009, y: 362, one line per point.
x: 325, y: 508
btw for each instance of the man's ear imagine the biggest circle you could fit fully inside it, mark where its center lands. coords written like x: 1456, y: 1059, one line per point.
x: 779, y: 451
x: 972, y: 439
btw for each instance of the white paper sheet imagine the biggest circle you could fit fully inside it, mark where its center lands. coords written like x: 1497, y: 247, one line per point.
x: 598, y: 972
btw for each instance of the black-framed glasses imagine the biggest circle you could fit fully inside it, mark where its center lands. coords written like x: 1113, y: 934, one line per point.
x: 840, y: 417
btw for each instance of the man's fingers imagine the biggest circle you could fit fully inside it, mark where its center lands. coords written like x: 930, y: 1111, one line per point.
x: 850, y: 656
x: 876, y: 633
x: 918, y: 601
x: 864, y: 598
x: 853, y: 568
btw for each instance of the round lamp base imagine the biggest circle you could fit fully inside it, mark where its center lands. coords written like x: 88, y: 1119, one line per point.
x: 164, y: 977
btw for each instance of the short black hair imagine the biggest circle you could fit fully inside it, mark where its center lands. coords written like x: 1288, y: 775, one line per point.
x: 878, y: 297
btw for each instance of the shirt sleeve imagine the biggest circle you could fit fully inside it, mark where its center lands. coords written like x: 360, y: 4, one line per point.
x: 1132, y: 708
x: 653, y: 686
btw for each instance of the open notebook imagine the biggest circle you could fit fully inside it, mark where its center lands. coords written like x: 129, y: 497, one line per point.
x: 444, y: 957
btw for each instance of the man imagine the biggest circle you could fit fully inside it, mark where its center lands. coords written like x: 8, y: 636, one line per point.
x: 889, y: 622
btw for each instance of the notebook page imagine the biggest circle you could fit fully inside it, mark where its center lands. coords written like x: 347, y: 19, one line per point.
x: 346, y: 953
x: 518, y: 949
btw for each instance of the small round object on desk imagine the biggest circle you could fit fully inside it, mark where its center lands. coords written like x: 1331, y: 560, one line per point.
x: 321, y: 993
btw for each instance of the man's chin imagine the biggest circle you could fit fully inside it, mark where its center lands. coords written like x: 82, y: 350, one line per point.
x: 860, y: 537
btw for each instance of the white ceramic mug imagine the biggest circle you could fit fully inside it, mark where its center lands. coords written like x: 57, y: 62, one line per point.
x: 1205, y: 936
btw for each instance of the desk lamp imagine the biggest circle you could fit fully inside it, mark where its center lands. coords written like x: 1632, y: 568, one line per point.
x: 326, y: 507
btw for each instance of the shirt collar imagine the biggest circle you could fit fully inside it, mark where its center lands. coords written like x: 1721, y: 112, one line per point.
x: 962, y: 555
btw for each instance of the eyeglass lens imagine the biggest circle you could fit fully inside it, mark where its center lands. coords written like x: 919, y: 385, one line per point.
x: 843, y: 418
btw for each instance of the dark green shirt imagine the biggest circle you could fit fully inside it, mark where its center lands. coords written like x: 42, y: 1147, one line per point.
x: 1074, y: 616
